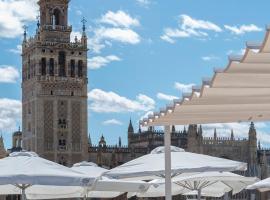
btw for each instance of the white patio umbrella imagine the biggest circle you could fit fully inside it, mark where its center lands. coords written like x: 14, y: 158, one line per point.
x: 209, y: 184
x: 262, y: 186
x: 101, y: 188
x: 151, y: 166
x: 24, y: 170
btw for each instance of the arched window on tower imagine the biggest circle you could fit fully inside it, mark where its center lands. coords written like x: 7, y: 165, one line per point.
x: 62, y: 63
x: 56, y: 17
x: 51, y: 68
x: 80, y: 68
x: 72, y: 68
x: 43, y: 66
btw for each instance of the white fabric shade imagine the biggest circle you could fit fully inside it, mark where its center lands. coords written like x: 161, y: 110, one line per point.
x: 236, y: 67
x: 23, y: 171
x: 102, y: 187
x: 210, y: 184
x: 248, y: 71
x: 262, y: 186
x: 151, y: 166
x: 27, y: 168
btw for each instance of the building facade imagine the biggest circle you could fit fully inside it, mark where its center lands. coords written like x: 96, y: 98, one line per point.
x: 192, y: 140
x: 54, y: 87
x: 3, y: 152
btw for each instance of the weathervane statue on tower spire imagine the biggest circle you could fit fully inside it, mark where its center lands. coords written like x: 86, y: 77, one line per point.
x: 24, y: 33
x: 84, y: 22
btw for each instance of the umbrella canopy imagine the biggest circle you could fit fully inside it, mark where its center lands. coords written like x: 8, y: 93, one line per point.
x: 102, y: 187
x: 151, y: 166
x: 262, y: 186
x: 209, y: 184
x: 27, y: 168
x: 22, y: 171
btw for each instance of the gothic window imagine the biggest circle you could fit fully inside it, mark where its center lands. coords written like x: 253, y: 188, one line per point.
x: 43, y: 66
x: 62, y: 123
x: 51, y: 68
x: 62, y: 142
x: 80, y: 68
x: 72, y: 68
x: 62, y: 63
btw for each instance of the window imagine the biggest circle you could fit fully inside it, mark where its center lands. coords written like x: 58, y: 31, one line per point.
x: 62, y: 142
x: 43, y: 66
x: 56, y: 17
x: 51, y: 68
x: 62, y: 63
x: 72, y: 68
x: 80, y: 68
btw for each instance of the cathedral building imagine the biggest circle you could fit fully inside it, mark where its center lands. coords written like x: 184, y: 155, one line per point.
x: 192, y: 140
x: 54, y: 87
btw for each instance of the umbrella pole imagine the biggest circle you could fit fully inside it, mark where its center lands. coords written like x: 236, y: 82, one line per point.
x: 199, y: 194
x: 226, y: 197
x: 23, y: 193
x: 168, y: 180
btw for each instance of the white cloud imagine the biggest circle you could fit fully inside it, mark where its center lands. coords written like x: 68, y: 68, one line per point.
x: 10, y: 114
x: 8, y: 74
x: 14, y: 14
x: 119, y: 30
x: 146, y: 115
x: 189, y: 27
x: 78, y: 12
x: 119, y: 19
x: 170, y: 33
x: 166, y: 97
x: 122, y: 35
x: 144, y: 3
x: 112, y: 122
x: 210, y: 58
x: 110, y: 102
x: 99, y: 61
x: 191, y: 23
x: 243, y: 29
x: 184, y: 88
x: 17, y: 50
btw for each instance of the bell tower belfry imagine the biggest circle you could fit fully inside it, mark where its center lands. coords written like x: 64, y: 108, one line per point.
x: 54, y: 20
x: 54, y: 87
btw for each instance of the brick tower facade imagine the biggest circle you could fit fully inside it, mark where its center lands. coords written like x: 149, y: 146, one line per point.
x: 54, y: 87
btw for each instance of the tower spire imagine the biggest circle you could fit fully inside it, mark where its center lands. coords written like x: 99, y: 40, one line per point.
x: 89, y: 140
x: 232, y: 135
x: 84, y: 36
x: 215, y: 134
x: 130, y: 127
x: 25, y: 33
x: 38, y: 22
x: 84, y: 22
x: 120, y: 142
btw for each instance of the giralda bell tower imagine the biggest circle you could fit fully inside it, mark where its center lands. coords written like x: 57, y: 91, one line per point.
x: 54, y: 87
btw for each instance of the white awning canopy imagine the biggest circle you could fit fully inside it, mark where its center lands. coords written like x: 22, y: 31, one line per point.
x: 240, y: 92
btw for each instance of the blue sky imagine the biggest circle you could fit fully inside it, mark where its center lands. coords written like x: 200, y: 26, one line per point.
x: 142, y: 53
